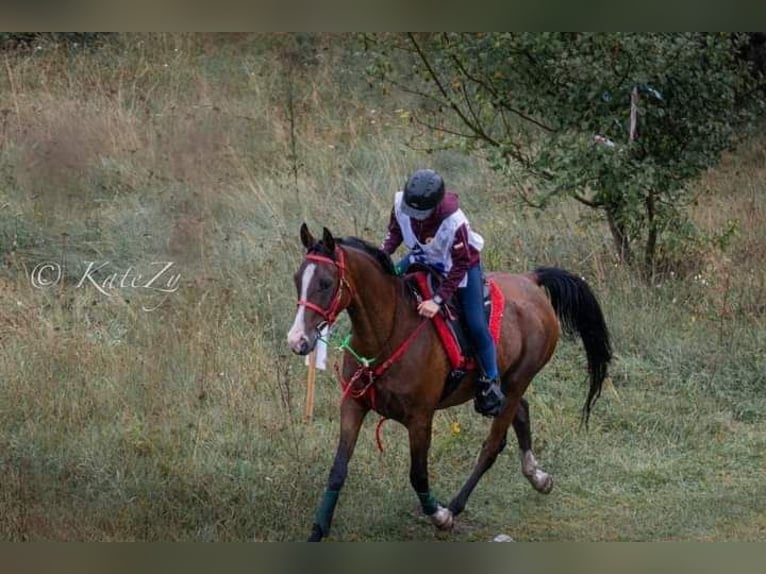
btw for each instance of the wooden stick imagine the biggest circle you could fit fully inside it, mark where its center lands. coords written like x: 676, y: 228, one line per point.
x: 310, y: 385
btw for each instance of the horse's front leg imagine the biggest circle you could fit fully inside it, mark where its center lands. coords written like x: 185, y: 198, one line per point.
x: 351, y: 416
x: 420, y: 442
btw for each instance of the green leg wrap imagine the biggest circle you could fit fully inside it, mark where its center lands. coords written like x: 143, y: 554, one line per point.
x: 428, y: 503
x: 326, y: 508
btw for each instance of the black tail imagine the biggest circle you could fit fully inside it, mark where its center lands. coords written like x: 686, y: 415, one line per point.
x: 579, y: 312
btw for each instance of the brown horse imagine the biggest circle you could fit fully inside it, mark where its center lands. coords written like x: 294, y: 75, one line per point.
x: 407, y: 379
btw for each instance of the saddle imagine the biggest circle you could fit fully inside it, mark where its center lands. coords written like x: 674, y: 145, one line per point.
x: 449, y: 323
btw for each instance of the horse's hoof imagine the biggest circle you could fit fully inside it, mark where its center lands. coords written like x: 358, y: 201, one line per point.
x: 443, y: 518
x: 546, y: 485
x: 316, y: 534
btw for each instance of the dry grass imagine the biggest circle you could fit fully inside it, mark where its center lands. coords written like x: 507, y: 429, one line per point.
x: 733, y: 199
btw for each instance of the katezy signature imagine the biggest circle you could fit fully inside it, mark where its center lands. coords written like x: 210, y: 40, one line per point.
x: 163, y: 277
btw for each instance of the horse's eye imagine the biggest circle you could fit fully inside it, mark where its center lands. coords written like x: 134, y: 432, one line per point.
x: 324, y: 284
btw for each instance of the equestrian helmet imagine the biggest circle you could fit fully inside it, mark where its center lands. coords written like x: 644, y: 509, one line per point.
x: 423, y: 191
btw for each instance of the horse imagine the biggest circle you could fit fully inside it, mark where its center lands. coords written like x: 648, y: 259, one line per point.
x: 406, y: 377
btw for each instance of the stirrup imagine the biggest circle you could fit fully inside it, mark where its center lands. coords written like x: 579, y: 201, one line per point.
x: 490, y: 399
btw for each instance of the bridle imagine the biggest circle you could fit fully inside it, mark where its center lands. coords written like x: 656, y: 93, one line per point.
x: 330, y: 314
x: 366, y: 372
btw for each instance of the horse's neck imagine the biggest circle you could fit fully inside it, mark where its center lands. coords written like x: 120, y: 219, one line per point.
x: 377, y: 305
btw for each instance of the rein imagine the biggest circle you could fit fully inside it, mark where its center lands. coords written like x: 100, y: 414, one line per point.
x: 365, y: 373
x: 368, y: 373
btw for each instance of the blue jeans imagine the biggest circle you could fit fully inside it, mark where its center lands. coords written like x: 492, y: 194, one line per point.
x: 471, y: 297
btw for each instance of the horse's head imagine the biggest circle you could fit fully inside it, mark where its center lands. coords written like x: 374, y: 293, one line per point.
x: 323, y: 290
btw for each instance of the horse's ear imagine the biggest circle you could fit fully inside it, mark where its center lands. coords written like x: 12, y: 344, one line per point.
x: 329, y: 240
x: 306, y: 238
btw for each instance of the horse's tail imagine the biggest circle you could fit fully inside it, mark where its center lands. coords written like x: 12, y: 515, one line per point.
x: 579, y: 312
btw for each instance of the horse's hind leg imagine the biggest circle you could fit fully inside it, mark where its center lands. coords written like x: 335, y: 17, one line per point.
x: 539, y: 479
x: 493, y: 446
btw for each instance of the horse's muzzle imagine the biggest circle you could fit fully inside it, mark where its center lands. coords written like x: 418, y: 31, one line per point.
x: 301, y: 346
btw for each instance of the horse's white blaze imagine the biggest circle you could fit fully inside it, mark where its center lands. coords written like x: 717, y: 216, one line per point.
x: 298, y: 331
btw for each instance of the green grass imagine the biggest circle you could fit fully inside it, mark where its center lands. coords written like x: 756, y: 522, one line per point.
x: 185, y: 422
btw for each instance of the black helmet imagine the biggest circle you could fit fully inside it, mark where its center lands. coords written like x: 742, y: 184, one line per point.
x: 422, y: 193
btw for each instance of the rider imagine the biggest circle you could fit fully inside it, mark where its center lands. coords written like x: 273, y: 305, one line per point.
x: 436, y: 232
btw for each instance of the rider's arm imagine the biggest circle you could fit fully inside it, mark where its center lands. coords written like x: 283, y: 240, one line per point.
x: 462, y: 259
x: 393, y: 235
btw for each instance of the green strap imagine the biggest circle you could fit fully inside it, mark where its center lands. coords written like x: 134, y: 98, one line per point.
x: 345, y: 345
x: 326, y: 508
x: 428, y: 503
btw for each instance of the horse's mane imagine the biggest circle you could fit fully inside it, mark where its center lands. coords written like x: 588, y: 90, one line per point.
x: 380, y: 256
x: 383, y: 259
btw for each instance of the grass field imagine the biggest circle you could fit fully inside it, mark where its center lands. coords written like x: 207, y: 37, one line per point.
x: 130, y: 414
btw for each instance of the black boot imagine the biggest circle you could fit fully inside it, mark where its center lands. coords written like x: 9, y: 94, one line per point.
x: 490, y: 399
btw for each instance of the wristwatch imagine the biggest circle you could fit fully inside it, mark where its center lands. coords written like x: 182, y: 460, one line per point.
x: 438, y: 300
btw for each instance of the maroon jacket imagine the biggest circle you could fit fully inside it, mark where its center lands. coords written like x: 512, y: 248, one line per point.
x: 462, y: 259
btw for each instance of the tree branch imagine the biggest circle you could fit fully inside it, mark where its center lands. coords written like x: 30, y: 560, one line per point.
x: 589, y: 202
x: 444, y: 130
x: 435, y: 77
x: 501, y: 101
x: 424, y: 95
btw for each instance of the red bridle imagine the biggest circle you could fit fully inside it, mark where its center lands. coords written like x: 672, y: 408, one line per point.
x: 336, y: 305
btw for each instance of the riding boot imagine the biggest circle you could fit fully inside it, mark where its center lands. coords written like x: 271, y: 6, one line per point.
x: 490, y: 399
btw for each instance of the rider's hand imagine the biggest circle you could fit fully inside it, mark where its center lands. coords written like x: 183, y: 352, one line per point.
x: 428, y: 308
